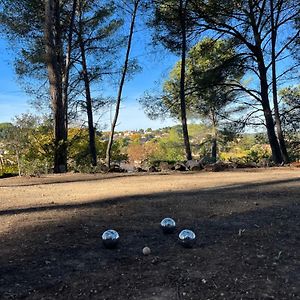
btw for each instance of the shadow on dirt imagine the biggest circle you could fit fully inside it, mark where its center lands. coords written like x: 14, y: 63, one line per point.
x: 247, y: 248
x: 118, y: 200
x: 82, y: 178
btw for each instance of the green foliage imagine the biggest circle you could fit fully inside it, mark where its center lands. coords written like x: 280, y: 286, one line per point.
x: 32, y: 143
x: 210, y: 68
x: 79, y: 159
x: 246, y: 149
x: 99, y: 28
x: 293, y: 146
x: 28, y: 145
x: 23, y: 24
x: 290, y: 99
x: 167, y: 20
x: 8, y: 170
x: 171, y: 146
x: 29, y: 142
x: 167, y: 147
x: 211, y: 65
x: 4, y: 128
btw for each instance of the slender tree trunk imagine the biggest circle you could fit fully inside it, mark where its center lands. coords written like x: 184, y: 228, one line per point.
x: 120, y: 91
x: 2, y: 164
x: 214, y: 149
x: 276, y: 153
x: 89, y: 107
x: 53, y: 60
x: 67, y: 66
x: 214, y: 139
x: 18, y: 162
x: 274, y: 89
x: 182, y: 82
x: 264, y: 89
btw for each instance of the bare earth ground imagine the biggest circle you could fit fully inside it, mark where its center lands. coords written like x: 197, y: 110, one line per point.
x: 247, y: 225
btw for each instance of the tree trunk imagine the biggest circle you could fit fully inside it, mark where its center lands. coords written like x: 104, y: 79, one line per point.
x: 120, y: 91
x: 182, y: 82
x: 89, y: 107
x: 264, y: 89
x: 54, y: 64
x: 274, y: 89
x: 67, y: 66
x: 276, y: 153
x: 214, y: 139
x: 214, y: 149
x: 18, y: 162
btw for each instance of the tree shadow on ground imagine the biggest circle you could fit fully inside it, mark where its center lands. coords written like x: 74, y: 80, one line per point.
x: 247, y: 247
x: 34, y: 181
x: 117, y: 200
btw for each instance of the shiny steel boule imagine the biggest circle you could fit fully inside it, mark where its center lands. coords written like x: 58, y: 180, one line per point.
x: 110, y: 238
x: 187, y: 238
x: 168, y: 225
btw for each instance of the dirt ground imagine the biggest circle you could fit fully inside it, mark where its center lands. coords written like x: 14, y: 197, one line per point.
x: 247, y: 225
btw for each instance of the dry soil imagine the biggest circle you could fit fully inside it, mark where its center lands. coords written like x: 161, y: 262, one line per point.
x: 246, y: 222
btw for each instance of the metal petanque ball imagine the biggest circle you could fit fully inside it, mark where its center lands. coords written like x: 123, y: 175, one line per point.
x: 187, y: 238
x: 168, y: 225
x: 110, y: 238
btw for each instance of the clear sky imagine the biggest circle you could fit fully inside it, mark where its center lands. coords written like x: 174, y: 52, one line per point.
x: 14, y: 101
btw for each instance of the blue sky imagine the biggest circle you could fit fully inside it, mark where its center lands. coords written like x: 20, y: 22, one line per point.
x: 14, y: 101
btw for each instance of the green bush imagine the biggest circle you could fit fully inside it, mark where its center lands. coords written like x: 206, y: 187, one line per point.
x: 8, y: 171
